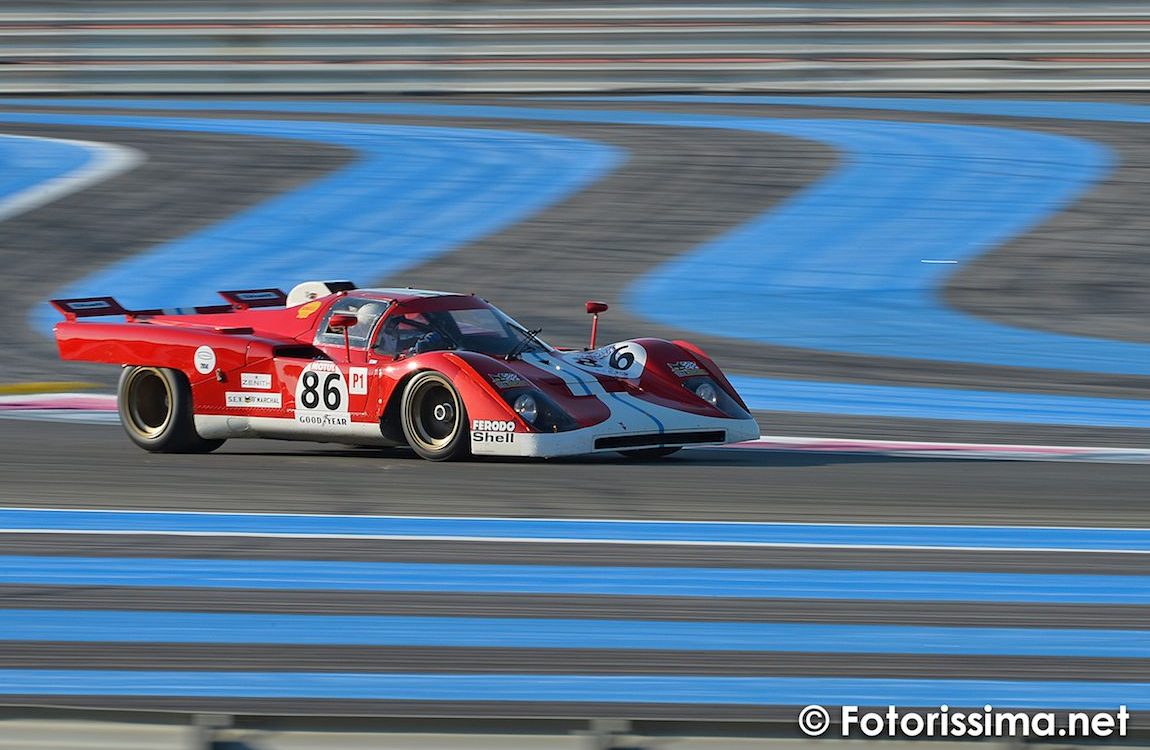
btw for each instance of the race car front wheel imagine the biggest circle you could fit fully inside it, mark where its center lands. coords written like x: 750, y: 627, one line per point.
x: 156, y: 411
x: 434, y: 419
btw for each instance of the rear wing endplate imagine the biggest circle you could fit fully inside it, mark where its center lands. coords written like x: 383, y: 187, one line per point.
x: 242, y: 299
x: 88, y: 307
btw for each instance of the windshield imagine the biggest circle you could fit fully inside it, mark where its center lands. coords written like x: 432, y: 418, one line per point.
x: 484, y: 330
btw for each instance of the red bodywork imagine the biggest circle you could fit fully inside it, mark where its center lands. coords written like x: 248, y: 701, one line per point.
x: 247, y: 360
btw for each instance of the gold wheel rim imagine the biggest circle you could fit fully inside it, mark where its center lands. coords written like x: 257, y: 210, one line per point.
x: 434, y: 413
x: 149, y: 402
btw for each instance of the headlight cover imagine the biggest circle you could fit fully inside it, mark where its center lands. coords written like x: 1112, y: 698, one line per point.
x: 539, y: 411
x: 527, y: 407
x: 706, y: 389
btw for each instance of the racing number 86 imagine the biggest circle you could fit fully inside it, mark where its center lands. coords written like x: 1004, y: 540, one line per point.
x: 310, y: 396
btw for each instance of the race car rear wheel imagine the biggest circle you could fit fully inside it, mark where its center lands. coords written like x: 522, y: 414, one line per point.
x: 434, y: 419
x: 155, y: 406
x: 644, y: 454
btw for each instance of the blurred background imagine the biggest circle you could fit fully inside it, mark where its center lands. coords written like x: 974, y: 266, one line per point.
x: 296, y: 46
x: 912, y: 232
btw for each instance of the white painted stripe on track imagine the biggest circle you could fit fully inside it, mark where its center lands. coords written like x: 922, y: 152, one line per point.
x: 635, y: 532
x: 529, y: 540
x: 592, y: 519
x: 108, y: 160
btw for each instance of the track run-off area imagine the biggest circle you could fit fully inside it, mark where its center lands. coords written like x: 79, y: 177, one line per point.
x: 892, y: 284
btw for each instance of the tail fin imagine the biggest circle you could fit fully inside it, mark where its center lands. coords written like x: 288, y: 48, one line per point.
x: 238, y: 299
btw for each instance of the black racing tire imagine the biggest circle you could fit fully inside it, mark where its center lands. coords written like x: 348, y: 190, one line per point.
x: 434, y: 418
x: 155, y: 405
x: 647, y: 454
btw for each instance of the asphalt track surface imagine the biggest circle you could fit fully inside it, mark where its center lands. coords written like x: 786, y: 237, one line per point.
x: 689, y: 188
x: 103, y: 469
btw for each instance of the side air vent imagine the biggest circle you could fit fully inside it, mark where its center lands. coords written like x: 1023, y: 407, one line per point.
x: 301, y: 351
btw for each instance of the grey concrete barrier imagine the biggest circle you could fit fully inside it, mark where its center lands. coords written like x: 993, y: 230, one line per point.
x: 304, y: 46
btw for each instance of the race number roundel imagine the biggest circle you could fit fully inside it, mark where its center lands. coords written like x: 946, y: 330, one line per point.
x: 321, y: 396
x: 205, y: 359
x: 623, y: 360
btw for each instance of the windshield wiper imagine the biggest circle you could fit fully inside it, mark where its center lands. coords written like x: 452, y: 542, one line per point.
x: 530, y: 336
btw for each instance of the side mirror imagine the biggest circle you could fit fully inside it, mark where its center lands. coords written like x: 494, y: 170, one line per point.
x: 342, y: 322
x: 594, y: 307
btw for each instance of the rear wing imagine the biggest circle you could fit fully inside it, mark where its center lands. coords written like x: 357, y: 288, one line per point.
x: 237, y: 299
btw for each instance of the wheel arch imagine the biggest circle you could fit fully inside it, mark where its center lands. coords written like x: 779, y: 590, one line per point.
x: 390, y: 418
x: 480, y: 397
x: 160, y: 421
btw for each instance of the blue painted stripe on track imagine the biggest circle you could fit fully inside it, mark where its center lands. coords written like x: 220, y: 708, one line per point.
x: 838, y: 266
x: 547, y: 530
x: 755, y: 691
x: 489, y: 632
x: 863, y: 585
x: 828, y: 397
x: 26, y: 162
x: 414, y: 193
x: 852, y: 282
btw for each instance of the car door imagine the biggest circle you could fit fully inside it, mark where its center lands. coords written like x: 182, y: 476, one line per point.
x: 332, y: 395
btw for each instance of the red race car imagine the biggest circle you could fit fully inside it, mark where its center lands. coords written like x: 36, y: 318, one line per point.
x: 447, y: 374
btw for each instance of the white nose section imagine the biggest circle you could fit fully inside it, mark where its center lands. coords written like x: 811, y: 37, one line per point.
x: 627, y: 412
x: 578, y: 383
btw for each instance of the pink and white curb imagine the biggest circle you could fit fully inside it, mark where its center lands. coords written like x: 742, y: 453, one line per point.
x: 919, y: 449
x: 79, y: 408
x: 76, y: 408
